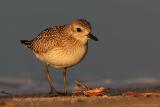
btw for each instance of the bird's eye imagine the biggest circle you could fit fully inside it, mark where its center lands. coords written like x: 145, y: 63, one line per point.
x: 79, y: 30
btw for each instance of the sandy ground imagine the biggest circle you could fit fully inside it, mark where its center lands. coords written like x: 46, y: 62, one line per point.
x: 77, y: 101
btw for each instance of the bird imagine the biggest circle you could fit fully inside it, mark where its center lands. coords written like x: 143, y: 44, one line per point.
x: 61, y: 47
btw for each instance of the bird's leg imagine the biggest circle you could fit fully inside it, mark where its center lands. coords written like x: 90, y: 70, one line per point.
x: 53, y: 91
x: 65, y: 80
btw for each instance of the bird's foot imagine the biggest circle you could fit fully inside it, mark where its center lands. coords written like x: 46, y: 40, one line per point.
x: 54, y: 93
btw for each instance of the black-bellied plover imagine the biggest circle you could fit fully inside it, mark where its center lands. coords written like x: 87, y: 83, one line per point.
x: 61, y: 47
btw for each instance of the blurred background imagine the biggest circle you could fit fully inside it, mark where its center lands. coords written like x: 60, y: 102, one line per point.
x: 127, y: 54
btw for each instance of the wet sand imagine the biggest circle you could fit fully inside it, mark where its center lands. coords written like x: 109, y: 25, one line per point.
x: 77, y: 101
x: 114, y: 98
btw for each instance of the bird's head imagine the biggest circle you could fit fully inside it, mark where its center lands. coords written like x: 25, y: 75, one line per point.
x: 81, y: 30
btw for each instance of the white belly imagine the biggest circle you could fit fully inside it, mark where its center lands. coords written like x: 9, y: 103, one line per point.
x: 60, y: 59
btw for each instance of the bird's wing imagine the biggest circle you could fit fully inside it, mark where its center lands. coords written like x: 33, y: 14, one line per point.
x: 46, y: 40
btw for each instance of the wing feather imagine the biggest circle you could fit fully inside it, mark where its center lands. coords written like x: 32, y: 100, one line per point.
x: 46, y: 40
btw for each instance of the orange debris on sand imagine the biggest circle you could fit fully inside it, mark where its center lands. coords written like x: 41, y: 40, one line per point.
x: 83, y: 89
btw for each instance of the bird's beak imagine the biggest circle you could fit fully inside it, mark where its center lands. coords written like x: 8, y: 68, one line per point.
x: 93, y: 37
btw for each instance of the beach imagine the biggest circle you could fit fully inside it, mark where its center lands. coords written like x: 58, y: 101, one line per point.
x: 114, y: 97
x: 77, y: 101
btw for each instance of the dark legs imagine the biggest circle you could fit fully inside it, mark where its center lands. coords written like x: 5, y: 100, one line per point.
x: 53, y: 91
x: 65, y: 80
x: 49, y: 78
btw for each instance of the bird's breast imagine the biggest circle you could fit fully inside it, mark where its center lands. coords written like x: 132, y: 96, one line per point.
x: 63, y: 57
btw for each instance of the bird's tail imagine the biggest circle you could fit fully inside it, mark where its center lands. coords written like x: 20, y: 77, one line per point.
x: 26, y: 43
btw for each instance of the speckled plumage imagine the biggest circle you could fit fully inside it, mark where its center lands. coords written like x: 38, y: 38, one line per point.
x: 57, y: 36
x: 48, y: 39
x: 62, y: 41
